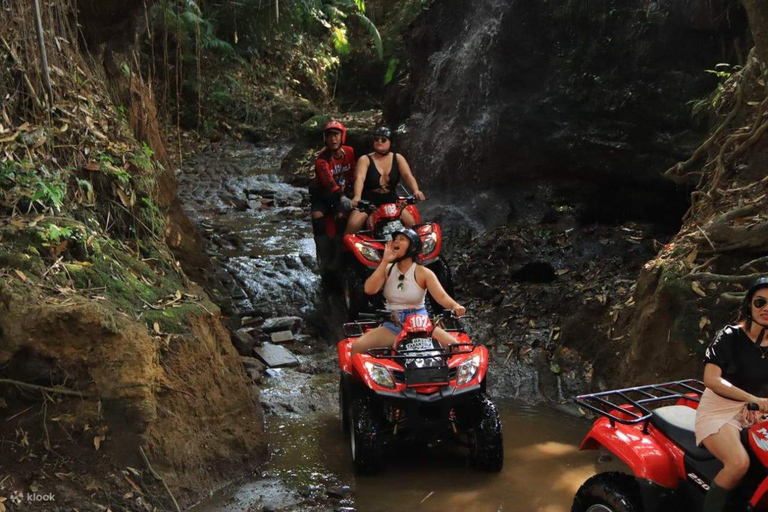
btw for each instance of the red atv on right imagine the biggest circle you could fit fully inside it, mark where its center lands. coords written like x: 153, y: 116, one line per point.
x: 650, y: 429
x: 365, y: 248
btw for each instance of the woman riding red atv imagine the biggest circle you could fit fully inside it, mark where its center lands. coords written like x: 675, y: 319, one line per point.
x: 377, y: 175
x: 405, y: 284
x: 736, y: 373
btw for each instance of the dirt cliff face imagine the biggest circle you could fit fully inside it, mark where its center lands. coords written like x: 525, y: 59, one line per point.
x: 107, y: 349
x: 594, y: 96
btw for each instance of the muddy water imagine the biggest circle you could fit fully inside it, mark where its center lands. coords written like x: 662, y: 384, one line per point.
x: 262, y: 241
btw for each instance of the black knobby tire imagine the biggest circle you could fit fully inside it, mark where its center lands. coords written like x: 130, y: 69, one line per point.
x: 487, y: 445
x: 344, y: 404
x: 443, y: 273
x: 365, y: 440
x: 608, y: 492
x: 355, y: 299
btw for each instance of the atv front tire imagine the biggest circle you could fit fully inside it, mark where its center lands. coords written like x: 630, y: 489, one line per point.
x: 364, y: 437
x: 487, y: 446
x: 608, y: 492
x: 355, y: 299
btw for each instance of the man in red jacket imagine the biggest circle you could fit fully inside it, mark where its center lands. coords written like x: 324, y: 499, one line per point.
x: 329, y: 194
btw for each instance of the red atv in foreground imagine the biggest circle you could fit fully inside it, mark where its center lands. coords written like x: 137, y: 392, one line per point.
x: 365, y: 248
x: 417, y: 391
x: 650, y: 428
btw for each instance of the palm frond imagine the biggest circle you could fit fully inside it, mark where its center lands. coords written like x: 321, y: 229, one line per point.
x: 372, y: 31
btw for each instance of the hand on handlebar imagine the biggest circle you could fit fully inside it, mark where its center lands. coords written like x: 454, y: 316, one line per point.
x: 419, y: 195
x: 355, y: 201
x: 762, y: 404
x: 459, y: 310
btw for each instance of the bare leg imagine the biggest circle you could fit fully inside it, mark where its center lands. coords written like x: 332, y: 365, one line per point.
x: 356, y: 221
x: 375, y: 338
x: 726, y: 446
x: 407, y: 219
x: 443, y: 338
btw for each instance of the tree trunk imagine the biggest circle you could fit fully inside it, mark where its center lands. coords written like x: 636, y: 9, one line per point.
x: 757, y: 12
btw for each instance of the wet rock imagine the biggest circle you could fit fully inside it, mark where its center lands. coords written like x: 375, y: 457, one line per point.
x: 340, y: 491
x: 251, y: 321
x: 276, y: 356
x: 292, y: 323
x: 243, y: 342
x: 282, y: 336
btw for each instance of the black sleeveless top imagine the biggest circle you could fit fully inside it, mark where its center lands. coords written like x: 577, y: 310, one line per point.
x: 373, y: 182
x: 743, y: 363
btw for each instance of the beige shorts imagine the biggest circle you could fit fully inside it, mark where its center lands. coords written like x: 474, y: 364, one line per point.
x: 715, y: 412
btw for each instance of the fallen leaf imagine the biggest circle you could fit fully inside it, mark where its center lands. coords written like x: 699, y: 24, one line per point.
x: 157, y: 327
x: 554, y: 368
x: 97, y: 442
x: 178, y: 294
x: 697, y: 289
x: 21, y: 274
x: 703, y: 322
x: 91, y: 166
x: 561, y: 271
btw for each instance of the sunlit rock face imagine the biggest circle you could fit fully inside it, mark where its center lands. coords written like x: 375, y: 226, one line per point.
x: 594, y: 96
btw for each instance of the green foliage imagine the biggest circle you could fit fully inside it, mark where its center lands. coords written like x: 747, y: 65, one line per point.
x: 25, y: 186
x: 723, y: 72
x: 55, y: 234
x: 391, y: 68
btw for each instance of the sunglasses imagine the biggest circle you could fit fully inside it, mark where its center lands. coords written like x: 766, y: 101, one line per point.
x: 401, y: 278
x: 380, y: 139
x: 760, y: 302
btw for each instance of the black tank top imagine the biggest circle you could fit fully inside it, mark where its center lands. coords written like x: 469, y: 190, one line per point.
x: 373, y: 182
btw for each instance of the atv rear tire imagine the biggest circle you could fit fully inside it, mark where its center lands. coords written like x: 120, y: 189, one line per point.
x: 608, y: 492
x: 364, y: 437
x: 487, y: 446
x: 355, y: 299
x: 443, y: 273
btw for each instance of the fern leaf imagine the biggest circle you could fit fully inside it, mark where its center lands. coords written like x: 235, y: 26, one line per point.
x: 373, y: 32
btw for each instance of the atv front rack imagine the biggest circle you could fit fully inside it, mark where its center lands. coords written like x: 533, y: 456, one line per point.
x: 386, y: 353
x: 630, y: 405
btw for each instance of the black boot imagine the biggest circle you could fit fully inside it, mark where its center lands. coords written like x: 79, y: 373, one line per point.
x: 324, y: 248
x: 716, y: 499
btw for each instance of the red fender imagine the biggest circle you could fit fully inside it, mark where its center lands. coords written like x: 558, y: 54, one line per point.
x: 345, y: 355
x: 645, y: 456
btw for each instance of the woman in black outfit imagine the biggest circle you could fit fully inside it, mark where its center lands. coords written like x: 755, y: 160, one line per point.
x: 377, y: 175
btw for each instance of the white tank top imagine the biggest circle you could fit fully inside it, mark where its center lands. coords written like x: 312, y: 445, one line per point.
x: 403, y: 293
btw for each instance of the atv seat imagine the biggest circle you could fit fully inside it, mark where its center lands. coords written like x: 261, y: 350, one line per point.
x: 676, y: 422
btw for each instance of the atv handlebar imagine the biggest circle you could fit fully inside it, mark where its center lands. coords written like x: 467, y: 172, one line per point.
x: 368, y: 207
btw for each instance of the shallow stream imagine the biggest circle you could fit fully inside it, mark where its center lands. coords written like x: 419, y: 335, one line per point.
x: 262, y: 241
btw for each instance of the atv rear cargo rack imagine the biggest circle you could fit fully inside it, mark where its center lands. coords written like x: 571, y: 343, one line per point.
x: 629, y: 405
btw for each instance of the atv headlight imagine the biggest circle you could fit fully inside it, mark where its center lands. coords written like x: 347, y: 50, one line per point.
x: 368, y: 253
x: 380, y: 375
x: 468, y: 370
x: 429, y: 243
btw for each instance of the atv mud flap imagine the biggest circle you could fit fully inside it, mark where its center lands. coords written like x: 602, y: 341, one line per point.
x: 426, y: 412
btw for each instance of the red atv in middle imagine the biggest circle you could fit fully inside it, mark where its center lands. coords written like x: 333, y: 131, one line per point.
x: 417, y: 391
x: 650, y: 429
x: 365, y: 248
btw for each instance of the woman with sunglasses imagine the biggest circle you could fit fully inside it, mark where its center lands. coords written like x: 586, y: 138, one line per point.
x: 735, y: 373
x: 377, y: 175
x: 404, y: 283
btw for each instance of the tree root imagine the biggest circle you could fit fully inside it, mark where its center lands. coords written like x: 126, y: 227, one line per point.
x: 756, y: 261
x: 722, y: 278
x: 158, y: 477
x: 58, y: 390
